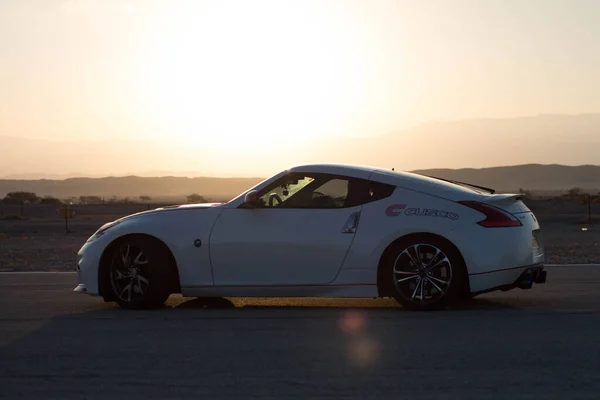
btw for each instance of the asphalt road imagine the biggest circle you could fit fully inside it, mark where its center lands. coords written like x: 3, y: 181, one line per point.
x: 537, y: 344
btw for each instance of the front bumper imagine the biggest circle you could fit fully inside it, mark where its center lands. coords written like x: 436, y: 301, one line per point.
x: 88, y: 261
x: 80, y: 289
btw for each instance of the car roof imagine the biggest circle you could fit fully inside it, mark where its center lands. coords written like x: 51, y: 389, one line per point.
x: 357, y: 171
x: 362, y: 171
x: 404, y: 179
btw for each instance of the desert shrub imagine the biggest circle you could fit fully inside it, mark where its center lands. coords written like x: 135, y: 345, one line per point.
x: 195, y: 198
x: 575, y: 192
x: 50, y: 200
x: 20, y: 197
x: 12, y: 217
x: 90, y: 200
x: 578, y: 195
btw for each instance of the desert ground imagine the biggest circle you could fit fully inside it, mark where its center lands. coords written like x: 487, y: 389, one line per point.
x: 37, y: 240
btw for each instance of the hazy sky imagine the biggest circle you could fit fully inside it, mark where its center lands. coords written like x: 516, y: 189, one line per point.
x: 247, y: 73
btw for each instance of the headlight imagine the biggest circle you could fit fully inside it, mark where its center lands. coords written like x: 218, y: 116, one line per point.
x: 102, y: 230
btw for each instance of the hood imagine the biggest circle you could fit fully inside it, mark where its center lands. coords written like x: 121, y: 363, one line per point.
x: 179, y: 207
x: 188, y: 206
x: 108, y: 225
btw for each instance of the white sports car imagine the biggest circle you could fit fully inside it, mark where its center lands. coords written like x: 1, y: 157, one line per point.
x: 322, y: 231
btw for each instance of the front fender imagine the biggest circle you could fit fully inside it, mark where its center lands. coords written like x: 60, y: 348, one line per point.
x: 185, y: 232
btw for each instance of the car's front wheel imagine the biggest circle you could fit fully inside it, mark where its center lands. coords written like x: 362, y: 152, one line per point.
x: 426, y: 273
x: 138, y: 273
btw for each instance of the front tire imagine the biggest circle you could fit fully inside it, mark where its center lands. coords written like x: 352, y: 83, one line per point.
x: 138, y: 273
x: 424, y: 273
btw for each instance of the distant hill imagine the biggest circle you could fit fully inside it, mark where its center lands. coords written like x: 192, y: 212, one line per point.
x: 132, y: 186
x: 534, y: 177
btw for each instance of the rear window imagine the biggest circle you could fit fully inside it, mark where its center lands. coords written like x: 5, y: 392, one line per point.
x: 368, y: 191
x: 412, y: 180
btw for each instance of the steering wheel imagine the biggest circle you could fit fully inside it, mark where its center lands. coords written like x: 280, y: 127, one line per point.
x: 274, y: 196
x: 322, y: 200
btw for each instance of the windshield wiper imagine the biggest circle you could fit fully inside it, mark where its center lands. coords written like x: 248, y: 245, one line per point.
x: 492, y: 191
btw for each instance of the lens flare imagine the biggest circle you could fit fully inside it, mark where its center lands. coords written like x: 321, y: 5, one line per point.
x: 362, y: 351
x: 353, y: 321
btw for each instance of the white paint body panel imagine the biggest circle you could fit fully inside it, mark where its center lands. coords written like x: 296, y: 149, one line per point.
x: 176, y: 228
x: 279, y: 246
x: 303, y: 252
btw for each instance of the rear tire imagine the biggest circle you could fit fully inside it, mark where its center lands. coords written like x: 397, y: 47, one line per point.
x: 139, y: 273
x: 424, y: 273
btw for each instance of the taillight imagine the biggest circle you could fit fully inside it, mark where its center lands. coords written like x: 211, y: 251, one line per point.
x: 494, y: 216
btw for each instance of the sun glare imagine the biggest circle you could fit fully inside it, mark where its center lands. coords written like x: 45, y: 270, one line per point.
x: 245, y: 74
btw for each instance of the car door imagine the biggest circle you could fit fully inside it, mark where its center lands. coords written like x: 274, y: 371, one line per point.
x: 300, y: 239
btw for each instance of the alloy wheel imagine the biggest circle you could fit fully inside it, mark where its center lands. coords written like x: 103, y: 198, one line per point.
x: 422, y: 273
x: 129, y: 273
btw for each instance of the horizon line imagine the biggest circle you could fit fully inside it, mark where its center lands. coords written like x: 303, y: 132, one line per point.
x: 174, y: 174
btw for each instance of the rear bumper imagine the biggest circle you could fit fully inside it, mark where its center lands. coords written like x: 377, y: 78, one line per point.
x: 507, y: 279
x: 531, y: 275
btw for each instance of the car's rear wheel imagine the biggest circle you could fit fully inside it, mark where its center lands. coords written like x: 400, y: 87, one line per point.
x: 425, y: 273
x: 139, y: 273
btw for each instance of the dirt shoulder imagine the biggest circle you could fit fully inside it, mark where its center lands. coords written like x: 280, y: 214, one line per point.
x: 43, y: 245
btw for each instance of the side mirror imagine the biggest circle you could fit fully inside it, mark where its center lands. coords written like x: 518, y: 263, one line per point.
x: 251, y: 199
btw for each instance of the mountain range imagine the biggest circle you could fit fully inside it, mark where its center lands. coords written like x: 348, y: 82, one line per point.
x: 533, y: 177
x: 544, y: 153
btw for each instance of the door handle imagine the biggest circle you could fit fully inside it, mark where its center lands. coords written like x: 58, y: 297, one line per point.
x: 352, y: 223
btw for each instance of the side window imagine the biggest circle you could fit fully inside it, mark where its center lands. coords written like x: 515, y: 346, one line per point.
x: 322, y: 191
x: 331, y: 194
x: 283, y: 190
x: 306, y: 191
x: 378, y: 191
x: 363, y: 192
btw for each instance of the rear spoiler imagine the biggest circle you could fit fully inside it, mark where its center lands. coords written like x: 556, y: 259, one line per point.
x: 500, y: 198
x: 508, y: 202
x: 492, y: 191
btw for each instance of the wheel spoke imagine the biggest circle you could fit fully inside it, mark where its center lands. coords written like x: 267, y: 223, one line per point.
x: 415, y: 263
x: 125, y: 257
x: 138, y: 260
x: 128, y: 290
x: 417, y: 248
x: 418, y: 259
x: 422, y: 287
x: 443, y: 260
x: 121, y: 275
x: 433, y: 278
x: 416, y: 289
x: 435, y: 285
x: 138, y: 286
x: 406, y: 272
x: 406, y: 279
x: 432, y: 260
